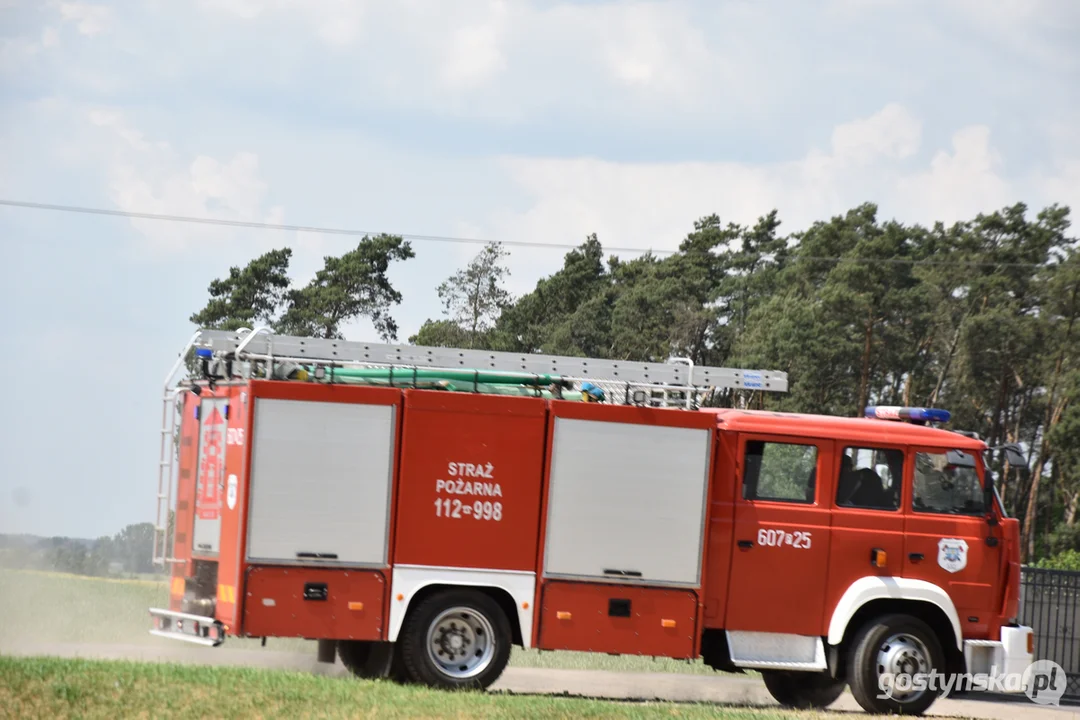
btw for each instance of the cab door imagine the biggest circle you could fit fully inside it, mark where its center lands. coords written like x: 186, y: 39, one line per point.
x: 867, y: 537
x: 780, y: 555
x: 946, y: 531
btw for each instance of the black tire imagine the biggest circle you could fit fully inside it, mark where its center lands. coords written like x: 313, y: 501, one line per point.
x: 367, y: 660
x: 451, y: 621
x: 803, y: 690
x: 398, y: 672
x: 868, y: 649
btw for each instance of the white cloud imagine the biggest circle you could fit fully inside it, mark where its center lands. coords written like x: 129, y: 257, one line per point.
x: 962, y: 183
x: 151, y: 177
x: 475, y: 55
x: 892, y: 133
x: 16, y: 52
x: 1021, y: 26
x: 89, y: 19
x: 243, y: 9
x: 508, y: 58
x: 337, y: 22
x: 1061, y: 184
x: 645, y: 205
x: 50, y: 37
x: 649, y: 47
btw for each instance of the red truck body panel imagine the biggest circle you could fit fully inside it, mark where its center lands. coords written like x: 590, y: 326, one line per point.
x: 647, y: 621
x: 234, y: 502
x: 352, y: 608
x: 470, y: 481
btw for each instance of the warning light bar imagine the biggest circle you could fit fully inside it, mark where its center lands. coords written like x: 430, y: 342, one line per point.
x: 204, y: 353
x: 913, y: 414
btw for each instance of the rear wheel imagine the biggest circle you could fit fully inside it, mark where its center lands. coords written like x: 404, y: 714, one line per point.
x: 456, y: 639
x: 803, y: 690
x: 368, y: 660
x: 903, y: 648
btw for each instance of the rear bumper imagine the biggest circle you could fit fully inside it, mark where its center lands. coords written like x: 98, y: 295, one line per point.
x: 1009, y: 657
x: 198, y: 629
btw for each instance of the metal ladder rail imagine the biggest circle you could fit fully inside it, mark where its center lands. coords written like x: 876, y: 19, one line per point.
x: 166, y: 477
x: 264, y: 344
x: 160, y: 554
x: 689, y: 391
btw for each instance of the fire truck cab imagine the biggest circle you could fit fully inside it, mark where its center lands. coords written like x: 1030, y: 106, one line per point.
x: 419, y: 511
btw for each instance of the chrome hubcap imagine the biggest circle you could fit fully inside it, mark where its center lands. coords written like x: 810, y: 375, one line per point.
x: 461, y: 643
x: 904, y: 656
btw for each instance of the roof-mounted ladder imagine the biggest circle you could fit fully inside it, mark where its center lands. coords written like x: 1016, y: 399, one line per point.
x: 675, y: 383
x: 680, y: 373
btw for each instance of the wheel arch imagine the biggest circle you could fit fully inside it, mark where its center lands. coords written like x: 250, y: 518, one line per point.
x: 871, y: 597
x: 870, y: 592
x: 512, y: 592
x: 500, y: 595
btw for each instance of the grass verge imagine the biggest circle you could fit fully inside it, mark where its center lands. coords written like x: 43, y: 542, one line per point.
x: 47, y: 687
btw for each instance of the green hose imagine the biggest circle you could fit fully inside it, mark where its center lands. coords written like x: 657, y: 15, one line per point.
x: 470, y: 376
x: 447, y: 385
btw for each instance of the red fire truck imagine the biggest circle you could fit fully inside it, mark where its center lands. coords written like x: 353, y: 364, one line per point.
x: 419, y: 511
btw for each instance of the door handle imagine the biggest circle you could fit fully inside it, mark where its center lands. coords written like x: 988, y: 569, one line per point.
x: 746, y: 544
x: 915, y: 557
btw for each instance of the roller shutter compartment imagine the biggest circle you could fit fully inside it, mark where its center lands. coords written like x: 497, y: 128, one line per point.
x: 320, y: 482
x: 627, y: 502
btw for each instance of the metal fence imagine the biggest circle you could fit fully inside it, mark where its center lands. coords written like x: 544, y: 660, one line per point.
x: 1050, y: 604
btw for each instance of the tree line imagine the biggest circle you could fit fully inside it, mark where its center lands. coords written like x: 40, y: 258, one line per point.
x: 128, y: 552
x: 979, y: 317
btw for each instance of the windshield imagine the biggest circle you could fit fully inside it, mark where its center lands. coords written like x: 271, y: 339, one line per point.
x: 947, y: 482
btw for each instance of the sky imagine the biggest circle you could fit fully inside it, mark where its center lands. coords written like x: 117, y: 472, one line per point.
x: 505, y: 120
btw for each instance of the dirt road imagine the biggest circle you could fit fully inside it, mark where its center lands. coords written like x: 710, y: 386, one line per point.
x: 586, y: 683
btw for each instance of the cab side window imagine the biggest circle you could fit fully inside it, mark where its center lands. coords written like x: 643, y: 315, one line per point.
x: 870, y: 478
x: 946, y: 482
x: 779, y: 471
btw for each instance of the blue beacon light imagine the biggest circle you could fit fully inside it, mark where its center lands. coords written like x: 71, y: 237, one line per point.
x: 204, y: 353
x: 915, y: 414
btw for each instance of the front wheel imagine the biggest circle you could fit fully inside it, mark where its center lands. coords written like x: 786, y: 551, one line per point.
x: 456, y: 639
x: 803, y: 690
x: 891, y: 663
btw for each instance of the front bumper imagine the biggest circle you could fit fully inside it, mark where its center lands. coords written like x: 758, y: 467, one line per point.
x: 1011, y: 656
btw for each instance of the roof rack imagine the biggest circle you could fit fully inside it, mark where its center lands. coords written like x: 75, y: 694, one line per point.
x: 262, y: 346
x: 247, y: 353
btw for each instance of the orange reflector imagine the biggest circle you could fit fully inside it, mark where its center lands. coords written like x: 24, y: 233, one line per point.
x: 356, y: 606
x: 524, y: 606
x: 1031, y: 642
x: 562, y: 615
x: 878, y: 558
x: 667, y: 623
x: 400, y: 597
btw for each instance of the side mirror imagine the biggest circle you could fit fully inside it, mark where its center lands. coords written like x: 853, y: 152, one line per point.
x: 1014, y: 455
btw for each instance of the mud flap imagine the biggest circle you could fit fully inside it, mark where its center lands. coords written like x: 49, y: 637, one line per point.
x: 327, y: 652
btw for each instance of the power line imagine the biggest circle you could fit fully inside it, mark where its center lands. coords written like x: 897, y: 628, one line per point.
x: 476, y: 241
x: 300, y: 228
